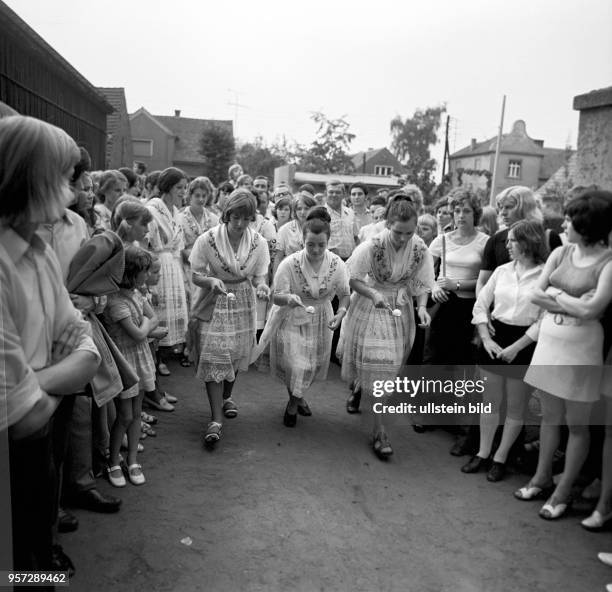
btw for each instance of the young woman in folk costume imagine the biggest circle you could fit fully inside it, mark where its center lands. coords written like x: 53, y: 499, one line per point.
x: 229, y: 264
x: 166, y: 241
x: 385, y: 272
x: 301, y: 323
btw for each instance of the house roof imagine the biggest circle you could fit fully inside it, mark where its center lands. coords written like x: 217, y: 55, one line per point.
x: 516, y: 142
x: 562, y: 176
x: 188, y: 132
x: 357, y: 159
x: 48, y: 55
x: 554, y: 158
x: 116, y: 98
x: 321, y: 178
x: 145, y: 113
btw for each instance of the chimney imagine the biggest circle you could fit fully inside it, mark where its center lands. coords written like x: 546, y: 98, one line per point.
x: 473, y: 144
x: 177, y: 113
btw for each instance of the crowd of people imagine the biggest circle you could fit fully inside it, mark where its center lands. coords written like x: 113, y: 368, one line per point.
x: 105, y: 275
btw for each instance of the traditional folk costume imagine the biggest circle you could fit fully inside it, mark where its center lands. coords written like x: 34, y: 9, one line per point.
x: 192, y: 229
x: 266, y: 228
x: 374, y: 344
x: 300, y: 342
x: 222, y: 330
x: 290, y: 238
x: 166, y: 241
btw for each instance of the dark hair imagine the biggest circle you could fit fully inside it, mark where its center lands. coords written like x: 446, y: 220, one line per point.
x: 242, y: 180
x: 591, y: 215
x: 141, y: 166
x: 152, y: 179
x: 241, y: 202
x: 358, y: 186
x: 259, y: 193
x: 136, y: 261
x: 459, y: 195
x: 400, y: 208
x: 378, y: 201
x: 283, y: 202
x: 308, y: 201
x: 530, y: 236
x: 82, y: 166
x: 317, y: 221
x: 308, y: 188
x: 225, y: 187
x: 168, y: 178
x: 130, y: 175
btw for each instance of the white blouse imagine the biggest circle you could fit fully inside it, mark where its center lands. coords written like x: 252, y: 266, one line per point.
x: 509, y: 295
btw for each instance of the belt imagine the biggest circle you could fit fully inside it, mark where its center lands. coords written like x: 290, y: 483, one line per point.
x: 564, y: 319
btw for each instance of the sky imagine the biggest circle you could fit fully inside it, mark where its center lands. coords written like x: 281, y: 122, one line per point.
x: 365, y: 61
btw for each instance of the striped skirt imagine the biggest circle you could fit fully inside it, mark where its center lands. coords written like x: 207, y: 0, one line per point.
x: 374, y: 344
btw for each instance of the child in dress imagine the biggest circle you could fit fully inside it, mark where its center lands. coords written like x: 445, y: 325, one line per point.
x: 129, y: 320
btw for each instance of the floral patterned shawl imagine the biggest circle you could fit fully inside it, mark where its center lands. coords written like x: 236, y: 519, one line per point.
x: 165, y: 232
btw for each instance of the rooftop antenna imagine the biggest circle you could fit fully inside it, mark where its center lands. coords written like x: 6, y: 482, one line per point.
x: 237, y: 105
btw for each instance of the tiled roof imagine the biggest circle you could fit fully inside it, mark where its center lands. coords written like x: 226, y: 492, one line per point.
x: 554, y: 158
x: 563, y: 176
x: 358, y: 158
x: 188, y: 131
x: 517, y: 141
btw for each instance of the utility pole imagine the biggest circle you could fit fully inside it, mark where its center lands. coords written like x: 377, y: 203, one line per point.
x: 237, y: 105
x: 497, y: 149
x: 446, y: 150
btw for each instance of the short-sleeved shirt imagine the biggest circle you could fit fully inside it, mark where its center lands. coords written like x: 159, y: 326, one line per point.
x: 344, y: 229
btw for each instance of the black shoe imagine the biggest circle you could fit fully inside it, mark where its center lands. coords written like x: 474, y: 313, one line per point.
x: 289, y: 419
x: 497, y: 472
x: 66, y: 522
x: 474, y: 465
x: 95, y: 501
x: 61, y: 562
x: 353, y: 402
x: 461, y: 448
x: 303, y: 409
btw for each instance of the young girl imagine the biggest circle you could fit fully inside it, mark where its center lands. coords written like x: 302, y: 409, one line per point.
x: 129, y: 320
x: 130, y: 220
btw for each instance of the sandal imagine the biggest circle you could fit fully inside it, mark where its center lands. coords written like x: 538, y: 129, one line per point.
x: 353, y: 402
x: 150, y: 419
x: 147, y: 429
x: 213, y: 432
x: 162, y: 369
x: 382, y: 446
x: 533, y: 492
x: 230, y: 409
x: 553, y: 511
x: 185, y: 362
x: 170, y: 398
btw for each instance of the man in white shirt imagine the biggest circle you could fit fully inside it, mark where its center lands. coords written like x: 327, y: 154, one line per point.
x: 344, y: 227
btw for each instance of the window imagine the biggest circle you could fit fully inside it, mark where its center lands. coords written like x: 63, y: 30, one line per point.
x: 142, y: 147
x: 477, y: 164
x: 383, y: 170
x: 514, y: 169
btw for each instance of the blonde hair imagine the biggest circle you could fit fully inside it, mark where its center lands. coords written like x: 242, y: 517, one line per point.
x: 527, y: 206
x: 37, y: 160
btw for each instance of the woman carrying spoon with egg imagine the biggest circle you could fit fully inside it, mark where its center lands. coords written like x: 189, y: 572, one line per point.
x: 385, y: 273
x: 229, y: 264
x: 301, y: 323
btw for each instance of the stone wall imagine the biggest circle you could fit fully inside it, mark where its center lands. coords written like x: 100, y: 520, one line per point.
x: 594, y: 156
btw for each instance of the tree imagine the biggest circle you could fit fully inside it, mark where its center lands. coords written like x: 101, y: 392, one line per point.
x: 258, y: 159
x: 218, y: 148
x: 411, y: 142
x: 328, y: 153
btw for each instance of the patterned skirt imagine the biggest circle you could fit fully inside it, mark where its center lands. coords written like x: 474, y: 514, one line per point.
x: 374, y: 344
x: 172, y: 305
x: 140, y: 358
x: 227, y: 340
x: 300, y: 347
